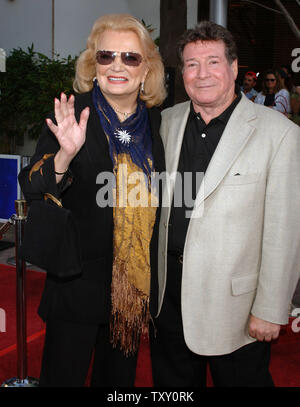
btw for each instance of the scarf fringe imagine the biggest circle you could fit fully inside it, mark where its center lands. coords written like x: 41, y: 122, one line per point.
x: 130, y: 312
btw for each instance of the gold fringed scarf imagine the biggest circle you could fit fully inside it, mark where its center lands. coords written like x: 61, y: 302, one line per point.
x: 130, y: 149
x: 134, y: 218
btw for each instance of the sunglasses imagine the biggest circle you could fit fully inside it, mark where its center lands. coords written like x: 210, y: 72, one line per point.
x: 128, y: 58
x: 270, y: 80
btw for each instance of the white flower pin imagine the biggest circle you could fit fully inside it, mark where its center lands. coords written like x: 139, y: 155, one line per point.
x: 123, y: 136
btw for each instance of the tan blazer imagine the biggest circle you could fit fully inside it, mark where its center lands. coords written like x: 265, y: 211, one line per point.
x: 242, y: 249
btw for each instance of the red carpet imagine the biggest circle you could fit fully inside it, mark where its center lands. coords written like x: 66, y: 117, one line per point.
x: 35, y: 326
x: 284, y: 366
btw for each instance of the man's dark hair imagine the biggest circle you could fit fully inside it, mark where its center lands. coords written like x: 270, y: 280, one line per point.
x: 209, y: 31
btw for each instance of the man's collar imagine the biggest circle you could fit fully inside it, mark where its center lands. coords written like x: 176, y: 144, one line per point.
x: 225, y: 115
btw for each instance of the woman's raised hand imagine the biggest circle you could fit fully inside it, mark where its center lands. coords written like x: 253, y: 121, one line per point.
x: 69, y: 133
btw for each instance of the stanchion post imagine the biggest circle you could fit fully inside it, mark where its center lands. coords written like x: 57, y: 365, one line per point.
x: 22, y: 380
x: 20, y: 218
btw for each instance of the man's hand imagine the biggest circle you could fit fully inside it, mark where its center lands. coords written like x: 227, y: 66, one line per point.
x: 263, y: 330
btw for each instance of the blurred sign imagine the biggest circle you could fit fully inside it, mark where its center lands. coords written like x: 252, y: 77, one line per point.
x: 10, y: 166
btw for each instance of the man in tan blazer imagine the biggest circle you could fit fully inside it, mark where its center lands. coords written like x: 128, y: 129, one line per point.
x: 228, y: 264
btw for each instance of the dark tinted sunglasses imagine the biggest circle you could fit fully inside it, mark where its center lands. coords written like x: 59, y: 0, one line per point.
x: 270, y: 80
x: 128, y: 58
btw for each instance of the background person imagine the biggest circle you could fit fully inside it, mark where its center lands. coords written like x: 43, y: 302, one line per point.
x: 249, y: 84
x: 285, y: 79
x: 273, y: 93
x: 290, y: 77
x: 295, y: 106
x: 111, y: 121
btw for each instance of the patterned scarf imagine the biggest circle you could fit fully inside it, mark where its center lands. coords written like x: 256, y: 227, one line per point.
x: 135, y: 202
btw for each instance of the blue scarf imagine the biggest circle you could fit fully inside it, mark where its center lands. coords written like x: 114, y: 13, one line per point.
x: 132, y: 136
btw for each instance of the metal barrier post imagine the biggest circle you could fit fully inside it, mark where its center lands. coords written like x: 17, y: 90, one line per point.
x: 22, y: 380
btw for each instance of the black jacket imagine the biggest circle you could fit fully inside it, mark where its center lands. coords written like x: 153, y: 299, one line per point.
x: 86, y: 299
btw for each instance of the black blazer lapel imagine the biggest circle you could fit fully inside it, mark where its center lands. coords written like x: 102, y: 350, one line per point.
x: 157, y: 144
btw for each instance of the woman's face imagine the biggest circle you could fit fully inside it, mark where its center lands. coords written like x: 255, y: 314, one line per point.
x: 270, y: 81
x: 117, y: 80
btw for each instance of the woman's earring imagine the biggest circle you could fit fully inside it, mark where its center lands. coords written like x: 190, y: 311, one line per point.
x: 142, y: 88
x: 94, y: 78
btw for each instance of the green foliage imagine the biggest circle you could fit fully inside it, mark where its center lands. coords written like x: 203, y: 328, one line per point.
x: 150, y: 28
x: 28, y: 88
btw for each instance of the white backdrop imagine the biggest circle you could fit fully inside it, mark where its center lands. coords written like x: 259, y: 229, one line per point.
x: 23, y: 22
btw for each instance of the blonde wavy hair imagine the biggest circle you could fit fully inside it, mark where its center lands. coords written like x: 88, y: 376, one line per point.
x: 154, y: 86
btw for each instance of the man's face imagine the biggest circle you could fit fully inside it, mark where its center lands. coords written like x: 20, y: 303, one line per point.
x: 209, y: 79
x: 249, y: 82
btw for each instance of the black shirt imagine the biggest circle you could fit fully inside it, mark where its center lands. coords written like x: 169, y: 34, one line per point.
x: 198, y: 146
x: 270, y: 100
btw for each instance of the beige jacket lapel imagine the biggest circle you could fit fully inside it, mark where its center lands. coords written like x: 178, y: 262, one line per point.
x: 172, y: 131
x: 173, y: 140
x: 172, y: 137
x: 232, y: 142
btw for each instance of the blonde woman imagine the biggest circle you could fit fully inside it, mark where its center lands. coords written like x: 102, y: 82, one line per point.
x: 111, y: 127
